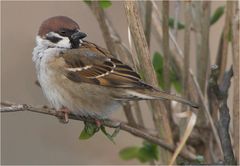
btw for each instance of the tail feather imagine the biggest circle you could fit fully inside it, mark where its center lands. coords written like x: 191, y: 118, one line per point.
x: 157, y: 94
x: 167, y: 96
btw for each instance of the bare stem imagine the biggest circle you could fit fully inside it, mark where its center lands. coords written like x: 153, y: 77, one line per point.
x: 236, y: 68
x: 201, y: 20
x: 187, y: 43
x: 222, y: 58
x: 148, y: 22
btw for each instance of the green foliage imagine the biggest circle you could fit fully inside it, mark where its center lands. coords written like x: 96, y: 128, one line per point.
x: 129, y: 153
x: 158, y: 66
x: 110, y: 136
x: 105, y: 3
x: 88, y: 2
x: 89, y: 130
x: 148, y: 152
x: 199, y: 161
x: 171, y: 24
x: 102, y: 3
x: 217, y: 15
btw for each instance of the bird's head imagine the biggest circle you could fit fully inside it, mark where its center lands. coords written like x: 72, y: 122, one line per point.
x: 60, y: 32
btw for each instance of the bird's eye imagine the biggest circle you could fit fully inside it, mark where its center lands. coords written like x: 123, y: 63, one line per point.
x: 62, y: 32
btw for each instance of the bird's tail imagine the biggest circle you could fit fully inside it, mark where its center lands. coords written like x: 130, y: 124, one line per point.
x: 157, y: 94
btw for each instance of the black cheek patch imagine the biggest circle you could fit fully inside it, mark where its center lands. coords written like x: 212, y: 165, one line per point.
x: 53, y: 39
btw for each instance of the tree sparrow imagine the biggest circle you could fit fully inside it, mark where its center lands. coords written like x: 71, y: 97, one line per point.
x: 80, y: 77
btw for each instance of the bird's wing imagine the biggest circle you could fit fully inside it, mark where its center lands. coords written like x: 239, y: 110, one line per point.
x: 94, y: 65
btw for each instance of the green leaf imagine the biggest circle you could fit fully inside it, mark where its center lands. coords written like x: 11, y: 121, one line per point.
x: 85, y: 135
x: 105, y: 3
x: 200, y: 159
x: 217, y: 15
x: 148, y: 152
x: 171, y: 24
x: 178, y: 86
x: 89, y: 130
x: 175, y: 81
x: 88, y: 2
x: 110, y: 136
x: 129, y: 153
x: 158, y: 67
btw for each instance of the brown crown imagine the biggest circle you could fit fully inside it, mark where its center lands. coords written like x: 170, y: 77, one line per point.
x: 56, y: 23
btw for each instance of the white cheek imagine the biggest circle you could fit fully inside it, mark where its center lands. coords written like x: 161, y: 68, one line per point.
x: 64, y: 43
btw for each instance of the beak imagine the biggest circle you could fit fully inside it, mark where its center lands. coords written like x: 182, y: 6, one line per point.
x: 78, y: 35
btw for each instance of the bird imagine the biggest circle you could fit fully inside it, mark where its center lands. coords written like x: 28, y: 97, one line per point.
x: 82, y: 78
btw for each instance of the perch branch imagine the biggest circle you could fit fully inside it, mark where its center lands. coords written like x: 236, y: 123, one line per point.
x: 11, y: 107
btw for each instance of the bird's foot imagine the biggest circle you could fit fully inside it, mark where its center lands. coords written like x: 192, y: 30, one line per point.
x: 65, y: 112
x: 98, y: 123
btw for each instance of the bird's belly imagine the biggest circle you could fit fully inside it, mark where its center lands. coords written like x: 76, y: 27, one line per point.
x: 50, y: 89
x: 80, y: 99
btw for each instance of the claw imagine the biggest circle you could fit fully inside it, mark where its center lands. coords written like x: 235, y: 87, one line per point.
x: 65, y: 111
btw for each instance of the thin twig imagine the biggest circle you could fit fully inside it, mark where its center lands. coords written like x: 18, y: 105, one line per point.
x: 11, y: 107
x: 148, y: 21
x: 173, y: 40
x: 222, y: 60
x: 166, y: 64
x: 128, y: 113
x: 176, y: 16
x: 175, y: 59
x: 136, y: 64
x: 236, y: 68
x: 187, y: 43
x: 201, y: 22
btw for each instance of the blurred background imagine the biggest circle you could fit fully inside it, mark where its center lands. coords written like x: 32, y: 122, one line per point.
x: 31, y: 138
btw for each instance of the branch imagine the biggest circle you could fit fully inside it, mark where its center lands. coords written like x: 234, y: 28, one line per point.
x: 201, y: 22
x: 222, y: 56
x: 221, y: 93
x: 11, y: 107
x: 148, y: 21
x: 187, y: 13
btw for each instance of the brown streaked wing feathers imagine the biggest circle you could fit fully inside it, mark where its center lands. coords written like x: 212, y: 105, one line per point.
x: 103, y: 69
